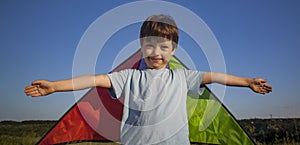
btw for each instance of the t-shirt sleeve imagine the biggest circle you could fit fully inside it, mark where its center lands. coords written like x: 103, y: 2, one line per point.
x: 194, y: 79
x: 118, y: 81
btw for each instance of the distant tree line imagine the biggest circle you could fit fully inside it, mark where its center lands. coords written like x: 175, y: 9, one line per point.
x: 273, y: 131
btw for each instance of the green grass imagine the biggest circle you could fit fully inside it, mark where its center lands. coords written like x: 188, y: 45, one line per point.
x: 25, y: 133
x: 263, y: 131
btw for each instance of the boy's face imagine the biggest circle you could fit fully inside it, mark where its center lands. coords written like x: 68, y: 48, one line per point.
x: 157, y: 52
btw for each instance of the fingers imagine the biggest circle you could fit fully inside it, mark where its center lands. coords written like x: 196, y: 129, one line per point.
x: 263, y: 80
x: 263, y: 91
x: 260, y: 86
x: 259, y: 81
x: 37, y: 82
x: 32, y: 91
x: 35, y: 94
x: 265, y: 88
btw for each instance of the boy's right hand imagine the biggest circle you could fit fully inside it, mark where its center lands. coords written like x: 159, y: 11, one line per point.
x: 40, y: 88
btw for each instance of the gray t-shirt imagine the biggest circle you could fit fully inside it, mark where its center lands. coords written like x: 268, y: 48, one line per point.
x: 155, y: 104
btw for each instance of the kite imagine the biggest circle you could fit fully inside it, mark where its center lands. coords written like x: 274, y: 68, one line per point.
x: 96, y: 117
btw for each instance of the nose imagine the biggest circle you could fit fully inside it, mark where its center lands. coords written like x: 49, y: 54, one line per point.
x: 156, y: 51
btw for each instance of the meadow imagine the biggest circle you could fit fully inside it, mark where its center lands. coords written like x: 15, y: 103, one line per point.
x: 262, y: 131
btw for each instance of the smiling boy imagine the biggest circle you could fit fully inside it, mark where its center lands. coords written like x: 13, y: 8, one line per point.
x: 154, y: 98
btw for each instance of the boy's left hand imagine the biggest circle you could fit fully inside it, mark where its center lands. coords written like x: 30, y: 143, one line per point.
x: 259, y: 85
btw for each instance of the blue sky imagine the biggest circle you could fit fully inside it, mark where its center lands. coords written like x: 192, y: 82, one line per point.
x: 258, y: 39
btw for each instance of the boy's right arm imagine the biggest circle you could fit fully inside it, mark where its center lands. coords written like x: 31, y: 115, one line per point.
x: 44, y: 87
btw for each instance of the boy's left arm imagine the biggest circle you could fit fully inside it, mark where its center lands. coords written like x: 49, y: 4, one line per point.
x: 257, y: 85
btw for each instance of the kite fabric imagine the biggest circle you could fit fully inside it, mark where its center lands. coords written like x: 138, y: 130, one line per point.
x: 96, y: 117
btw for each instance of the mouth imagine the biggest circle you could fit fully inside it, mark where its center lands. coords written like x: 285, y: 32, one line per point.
x: 155, y: 59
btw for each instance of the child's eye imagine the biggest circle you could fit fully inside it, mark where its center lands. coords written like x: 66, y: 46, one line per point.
x: 164, y: 47
x: 149, y: 46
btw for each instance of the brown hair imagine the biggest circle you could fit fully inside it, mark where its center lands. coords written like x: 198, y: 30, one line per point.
x: 161, y: 26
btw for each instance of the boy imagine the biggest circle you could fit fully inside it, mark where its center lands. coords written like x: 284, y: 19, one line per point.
x: 154, y: 98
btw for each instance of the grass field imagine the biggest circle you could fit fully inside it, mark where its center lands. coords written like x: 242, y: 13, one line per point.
x: 263, y: 131
x: 25, y: 133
